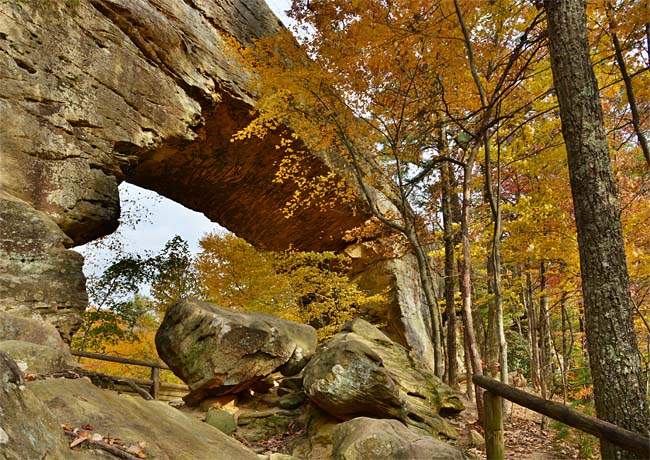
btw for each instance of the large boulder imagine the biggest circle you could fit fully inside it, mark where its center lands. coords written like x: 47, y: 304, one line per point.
x: 28, y: 430
x: 366, y: 438
x: 14, y: 327
x: 362, y: 372
x: 218, y: 351
x: 165, y: 433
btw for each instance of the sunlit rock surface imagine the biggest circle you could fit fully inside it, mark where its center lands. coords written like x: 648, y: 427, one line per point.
x: 365, y: 438
x: 165, y: 433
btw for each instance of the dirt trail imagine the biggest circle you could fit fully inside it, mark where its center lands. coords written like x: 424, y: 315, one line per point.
x: 525, y: 439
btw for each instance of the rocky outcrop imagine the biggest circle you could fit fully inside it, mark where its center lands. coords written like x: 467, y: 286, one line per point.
x: 362, y: 372
x: 36, y: 346
x: 38, y: 276
x: 27, y: 427
x: 403, y: 308
x: 96, y: 92
x: 366, y: 438
x: 219, y: 351
x: 166, y: 433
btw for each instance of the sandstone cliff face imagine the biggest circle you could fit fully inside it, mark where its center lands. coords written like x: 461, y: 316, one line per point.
x: 101, y: 91
x: 95, y: 92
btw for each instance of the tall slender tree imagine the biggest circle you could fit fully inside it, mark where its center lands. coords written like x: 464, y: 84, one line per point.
x: 619, y: 392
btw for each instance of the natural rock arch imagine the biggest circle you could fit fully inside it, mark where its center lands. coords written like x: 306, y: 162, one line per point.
x: 104, y: 91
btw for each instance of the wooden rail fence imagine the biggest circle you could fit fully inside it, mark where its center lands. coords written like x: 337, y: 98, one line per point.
x: 625, y: 439
x: 156, y: 386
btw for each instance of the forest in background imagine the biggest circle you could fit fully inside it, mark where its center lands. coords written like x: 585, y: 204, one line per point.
x: 444, y: 117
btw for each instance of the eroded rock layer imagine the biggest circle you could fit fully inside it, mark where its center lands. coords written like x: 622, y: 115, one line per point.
x: 96, y: 92
x: 100, y: 91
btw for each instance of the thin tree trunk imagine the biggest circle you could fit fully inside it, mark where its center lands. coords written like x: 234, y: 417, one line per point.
x: 450, y: 275
x: 544, y: 334
x: 496, y: 332
x: 629, y: 90
x: 566, y: 347
x: 469, y: 385
x: 619, y: 392
x: 532, y: 331
x: 465, y: 282
x: 491, y: 336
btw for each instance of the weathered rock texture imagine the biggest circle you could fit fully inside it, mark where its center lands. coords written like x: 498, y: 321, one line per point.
x: 366, y: 438
x: 403, y: 308
x: 36, y: 346
x: 96, y: 92
x: 168, y: 433
x: 100, y: 91
x: 219, y: 351
x: 362, y: 372
x: 28, y: 430
x: 38, y: 276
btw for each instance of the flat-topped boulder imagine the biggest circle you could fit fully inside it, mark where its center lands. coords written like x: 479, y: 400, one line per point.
x: 219, y: 351
x: 165, y: 433
x: 362, y: 372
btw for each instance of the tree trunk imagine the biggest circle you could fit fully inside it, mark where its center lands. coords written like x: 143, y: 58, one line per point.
x: 450, y: 274
x: 532, y: 331
x: 494, y: 199
x: 544, y: 336
x: 629, y: 89
x: 619, y: 392
x: 465, y: 282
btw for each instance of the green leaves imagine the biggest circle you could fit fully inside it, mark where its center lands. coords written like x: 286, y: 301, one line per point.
x: 117, y: 304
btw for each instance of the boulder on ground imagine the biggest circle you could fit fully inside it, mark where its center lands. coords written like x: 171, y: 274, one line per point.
x: 222, y: 420
x: 37, y: 359
x: 367, y: 438
x: 166, y: 433
x: 14, y: 327
x: 362, y: 372
x: 218, y: 351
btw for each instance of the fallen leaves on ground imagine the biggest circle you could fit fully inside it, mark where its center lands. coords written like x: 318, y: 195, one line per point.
x: 116, y: 446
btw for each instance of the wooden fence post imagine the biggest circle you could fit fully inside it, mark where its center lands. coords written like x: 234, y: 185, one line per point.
x: 493, y: 426
x: 155, y: 377
x: 626, y: 439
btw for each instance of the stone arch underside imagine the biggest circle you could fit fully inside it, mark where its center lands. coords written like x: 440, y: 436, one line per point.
x: 113, y: 90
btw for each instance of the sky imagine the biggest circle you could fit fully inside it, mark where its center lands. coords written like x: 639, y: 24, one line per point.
x: 166, y: 218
